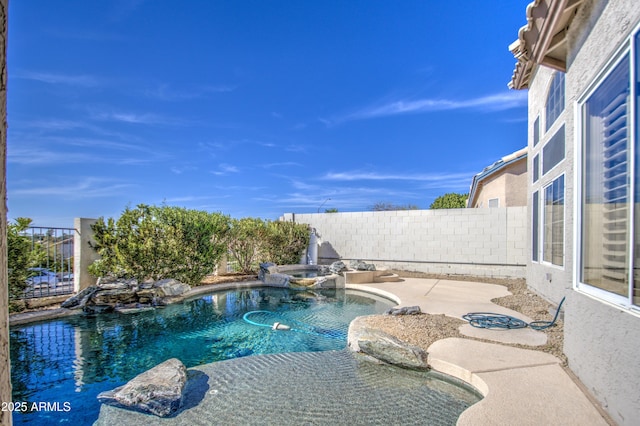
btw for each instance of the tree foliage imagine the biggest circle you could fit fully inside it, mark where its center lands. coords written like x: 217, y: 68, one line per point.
x: 253, y: 240
x: 244, y: 242
x: 18, y: 256
x: 285, y: 242
x: 384, y: 206
x: 450, y: 201
x: 151, y: 242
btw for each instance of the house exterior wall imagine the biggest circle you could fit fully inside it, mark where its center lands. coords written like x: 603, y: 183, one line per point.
x: 550, y: 281
x: 508, y: 185
x: 602, y: 341
x: 480, y: 242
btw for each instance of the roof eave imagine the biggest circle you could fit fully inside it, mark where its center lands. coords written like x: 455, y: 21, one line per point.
x: 543, y: 40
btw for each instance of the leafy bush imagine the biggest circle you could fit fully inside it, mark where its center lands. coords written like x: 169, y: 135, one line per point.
x: 450, y: 201
x: 285, y: 242
x: 245, y: 242
x: 253, y: 240
x: 20, y: 257
x: 384, y: 206
x: 151, y: 242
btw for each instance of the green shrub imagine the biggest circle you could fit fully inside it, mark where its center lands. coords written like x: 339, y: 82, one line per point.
x: 18, y: 256
x: 245, y: 242
x: 450, y: 200
x: 253, y: 240
x: 151, y: 242
x: 285, y: 242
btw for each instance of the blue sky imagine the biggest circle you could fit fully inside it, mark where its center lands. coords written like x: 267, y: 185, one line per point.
x: 255, y: 108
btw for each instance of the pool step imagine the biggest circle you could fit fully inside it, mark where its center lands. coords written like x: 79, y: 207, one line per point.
x: 387, y: 278
x: 363, y: 277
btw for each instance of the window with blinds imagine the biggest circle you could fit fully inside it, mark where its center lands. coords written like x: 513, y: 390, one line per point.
x: 606, y: 184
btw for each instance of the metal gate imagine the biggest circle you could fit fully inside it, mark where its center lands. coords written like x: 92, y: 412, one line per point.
x: 52, y: 275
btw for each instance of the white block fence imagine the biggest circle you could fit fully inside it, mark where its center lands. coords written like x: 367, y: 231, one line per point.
x: 490, y: 242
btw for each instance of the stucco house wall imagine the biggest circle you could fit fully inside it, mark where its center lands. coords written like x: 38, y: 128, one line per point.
x: 509, y: 186
x: 551, y: 281
x: 602, y: 340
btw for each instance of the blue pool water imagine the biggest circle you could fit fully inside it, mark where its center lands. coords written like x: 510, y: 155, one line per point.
x: 62, y: 365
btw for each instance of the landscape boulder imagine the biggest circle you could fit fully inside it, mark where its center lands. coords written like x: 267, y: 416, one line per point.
x: 280, y: 280
x: 389, y: 349
x: 112, y: 293
x: 264, y: 270
x: 359, y: 265
x: 407, y: 310
x: 384, y: 347
x: 158, y: 391
x: 337, y: 267
x: 171, y: 288
x: 114, y: 297
x: 80, y: 299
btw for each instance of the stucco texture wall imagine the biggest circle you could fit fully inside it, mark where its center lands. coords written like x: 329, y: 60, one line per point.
x: 601, y: 340
x: 509, y: 186
x: 481, y: 242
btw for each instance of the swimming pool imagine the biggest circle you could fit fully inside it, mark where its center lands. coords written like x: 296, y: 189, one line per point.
x: 306, y: 372
x: 73, y: 359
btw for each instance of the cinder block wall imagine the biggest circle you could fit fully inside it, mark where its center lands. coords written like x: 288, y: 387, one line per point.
x: 481, y: 242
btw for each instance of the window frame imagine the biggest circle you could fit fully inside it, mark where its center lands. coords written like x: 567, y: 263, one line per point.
x: 542, y: 225
x: 631, y: 49
x: 547, y: 144
x: 553, y: 96
x: 535, y: 226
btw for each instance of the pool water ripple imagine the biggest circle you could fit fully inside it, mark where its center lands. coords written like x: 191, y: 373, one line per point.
x: 320, y: 388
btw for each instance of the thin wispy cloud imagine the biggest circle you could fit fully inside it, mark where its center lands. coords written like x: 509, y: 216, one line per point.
x: 38, y: 156
x: 422, y: 177
x: 54, y: 124
x: 79, y: 80
x: 52, y: 152
x: 178, y: 170
x: 495, y: 102
x: 187, y: 199
x: 225, y: 169
x: 128, y: 117
x: 87, y: 188
x: 95, y: 143
x: 144, y: 118
x: 165, y: 93
x: 282, y: 164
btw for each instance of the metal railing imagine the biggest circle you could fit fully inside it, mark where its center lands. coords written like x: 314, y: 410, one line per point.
x: 54, y: 249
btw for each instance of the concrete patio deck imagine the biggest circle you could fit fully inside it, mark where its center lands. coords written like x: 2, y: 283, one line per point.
x: 520, y: 386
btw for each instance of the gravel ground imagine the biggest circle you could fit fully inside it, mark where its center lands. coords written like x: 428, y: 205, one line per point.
x: 424, y: 329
